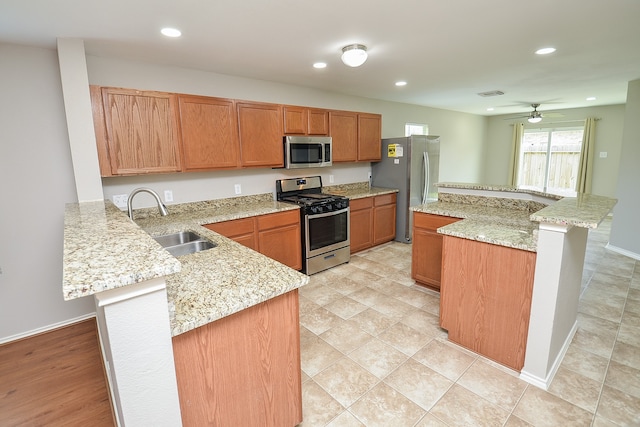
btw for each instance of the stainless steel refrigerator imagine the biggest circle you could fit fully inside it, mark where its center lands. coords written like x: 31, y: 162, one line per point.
x: 411, y: 164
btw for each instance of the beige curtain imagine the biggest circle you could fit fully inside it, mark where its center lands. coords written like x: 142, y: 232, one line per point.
x: 518, y: 131
x: 585, y: 168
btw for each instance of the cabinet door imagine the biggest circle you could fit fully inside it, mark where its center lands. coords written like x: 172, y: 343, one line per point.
x: 209, y: 133
x: 426, y: 258
x: 384, y: 219
x: 141, y: 130
x: 318, y: 122
x: 295, y: 120
x: 361, y: 225
x: 260, y: 127
x: 279, y: 237
x: 282, y: 244
x: 369, y: 137
x: 343, y: 126
x: 99, y: 125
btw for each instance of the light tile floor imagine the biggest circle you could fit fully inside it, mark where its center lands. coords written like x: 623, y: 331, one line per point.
x: 373, y: 354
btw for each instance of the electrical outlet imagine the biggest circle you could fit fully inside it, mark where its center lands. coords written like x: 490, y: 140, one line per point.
x: 330, y: 179
x: 120, y: 200
x: 168, y: 196
x: 237, y: 189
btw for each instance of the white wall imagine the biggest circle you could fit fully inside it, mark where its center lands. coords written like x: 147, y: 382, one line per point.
x: 36, y: 180
x: 462, y: 134
x: 625, y: 228
x: 608, y: 139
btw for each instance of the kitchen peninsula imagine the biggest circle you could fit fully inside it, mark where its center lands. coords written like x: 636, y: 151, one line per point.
x: 170, y: 328
x: 511, y: 270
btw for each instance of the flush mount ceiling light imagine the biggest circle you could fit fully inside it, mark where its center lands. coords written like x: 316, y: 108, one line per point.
x: 401, y: 83
x: 320, y: 65
x: 171, y: 32
x: 354, y: 55
x: 545, y: 50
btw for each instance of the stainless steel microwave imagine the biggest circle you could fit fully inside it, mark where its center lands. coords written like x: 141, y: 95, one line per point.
x: 307, y: 152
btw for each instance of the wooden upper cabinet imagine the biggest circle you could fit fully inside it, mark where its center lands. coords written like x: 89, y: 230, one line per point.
x: 343, y: 128
x: 209, y: 131
x: 369, y: 137
x: 305, y: 121
x: 260, y: 134
x: 99, y: 125
x: 141, y: 128
x: 318, y: 122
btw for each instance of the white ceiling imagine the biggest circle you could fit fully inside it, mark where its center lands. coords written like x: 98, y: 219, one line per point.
x: 448, y: 51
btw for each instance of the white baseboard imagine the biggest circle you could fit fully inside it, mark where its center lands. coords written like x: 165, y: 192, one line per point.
x: 47, y: 328
x: 622, y: 251
x: 544, y: 383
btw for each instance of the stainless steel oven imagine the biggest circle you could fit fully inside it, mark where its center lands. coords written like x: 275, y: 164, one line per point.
x: 324, y: 219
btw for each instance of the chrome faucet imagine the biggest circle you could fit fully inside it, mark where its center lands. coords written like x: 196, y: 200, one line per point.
x: 161, y: 207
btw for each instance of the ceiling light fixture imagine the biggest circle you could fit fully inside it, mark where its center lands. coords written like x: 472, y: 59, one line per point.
x: 545, y: 50
x: 354, y: 55
x: 591, y: 98
x: 171, y: 32
x: 401, y: 83
x: 535, y: 116
x: 320, y: 65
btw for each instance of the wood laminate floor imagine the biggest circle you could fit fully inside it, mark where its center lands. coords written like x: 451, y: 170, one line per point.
x: 55, y: 379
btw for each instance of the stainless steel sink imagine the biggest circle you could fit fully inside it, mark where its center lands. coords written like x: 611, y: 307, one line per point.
x: 184, y: 243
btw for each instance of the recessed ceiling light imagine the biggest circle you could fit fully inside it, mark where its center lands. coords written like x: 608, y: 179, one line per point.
x: 171, y: 32
x: 401, y: 83
x: 490, y: 109
x: 320, y: 65
x: 591, y: 98
x: 545, y: 50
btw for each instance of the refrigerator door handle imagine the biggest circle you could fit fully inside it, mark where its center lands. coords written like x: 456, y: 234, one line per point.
x: 425, y: 189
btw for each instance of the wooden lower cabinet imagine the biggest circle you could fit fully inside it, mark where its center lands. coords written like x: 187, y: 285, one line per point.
x: 485, y: 299
x: 372, y: 221
x: 244, y: 369
x: 426, y: 256
x: 275, y: 235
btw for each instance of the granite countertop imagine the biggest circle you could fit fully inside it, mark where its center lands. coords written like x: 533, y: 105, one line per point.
x: 506, y: 189
x: 503, y: 221
x: 357, y: 190
x: 104, y: 250
x: 499, y: 226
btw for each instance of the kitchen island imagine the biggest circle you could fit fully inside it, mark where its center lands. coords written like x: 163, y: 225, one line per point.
x: 144, y: 297
x: 511, y: 271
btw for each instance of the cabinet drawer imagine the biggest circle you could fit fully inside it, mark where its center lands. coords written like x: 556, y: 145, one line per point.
x: 279, y: 219
x: 432, y: 222
x: 232, y: 228
x: 363, y: 203
x: 385, y: 199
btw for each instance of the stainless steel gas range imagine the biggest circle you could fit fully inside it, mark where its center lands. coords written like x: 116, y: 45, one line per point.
x: 324, y: 219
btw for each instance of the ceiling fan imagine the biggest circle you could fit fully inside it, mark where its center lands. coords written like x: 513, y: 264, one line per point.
x: 536, y: 116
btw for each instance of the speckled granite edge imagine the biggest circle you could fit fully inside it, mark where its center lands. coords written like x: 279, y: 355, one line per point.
x: 104, y: 249
x: 499, y: 226
x: 496, y: 202
x: 357, y: 190
x: 504, y: 188
x: 585, y: 211
x: 206, y: 205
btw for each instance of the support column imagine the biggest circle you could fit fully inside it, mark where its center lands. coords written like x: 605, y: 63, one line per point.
x: 554, y: 305
x: 136, y: 341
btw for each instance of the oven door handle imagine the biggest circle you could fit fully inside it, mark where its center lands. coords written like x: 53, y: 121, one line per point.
x: 322, y: 215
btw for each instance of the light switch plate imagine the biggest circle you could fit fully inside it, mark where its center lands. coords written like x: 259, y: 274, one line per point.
x: 603, y: 154
x: 168, y: 196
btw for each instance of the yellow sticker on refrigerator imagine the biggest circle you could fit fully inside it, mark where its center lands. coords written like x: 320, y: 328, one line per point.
x: 394, y: 150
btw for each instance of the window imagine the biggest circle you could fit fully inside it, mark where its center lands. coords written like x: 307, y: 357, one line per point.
x: 415, y: 129
x: 549, y: 158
